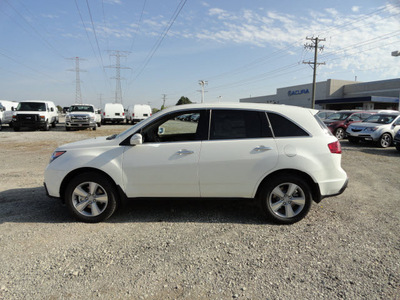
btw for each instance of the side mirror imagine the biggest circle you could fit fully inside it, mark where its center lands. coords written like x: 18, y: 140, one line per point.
x: 161, y: 130
x: 136, y: 139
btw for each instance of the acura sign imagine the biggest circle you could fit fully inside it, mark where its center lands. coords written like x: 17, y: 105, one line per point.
x: 298, y: 92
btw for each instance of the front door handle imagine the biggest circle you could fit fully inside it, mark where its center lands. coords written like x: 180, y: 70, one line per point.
x: 184, y: 152
x: 262, y: 148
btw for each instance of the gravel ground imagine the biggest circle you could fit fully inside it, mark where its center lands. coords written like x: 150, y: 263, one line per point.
x: 347, y: 247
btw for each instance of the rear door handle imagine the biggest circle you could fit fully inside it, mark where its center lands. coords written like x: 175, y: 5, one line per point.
x: 262, y: 148
x: 184, y: 152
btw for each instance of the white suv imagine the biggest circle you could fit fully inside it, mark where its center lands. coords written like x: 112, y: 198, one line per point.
x: 283, y: 155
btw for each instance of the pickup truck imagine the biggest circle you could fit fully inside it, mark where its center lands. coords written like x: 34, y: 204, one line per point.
x: 81, y: 116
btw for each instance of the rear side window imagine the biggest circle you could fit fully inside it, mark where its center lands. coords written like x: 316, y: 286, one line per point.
x: 283, y: 127
x: 238, y: 124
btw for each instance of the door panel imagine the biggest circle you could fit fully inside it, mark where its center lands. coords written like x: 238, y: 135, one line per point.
x: 233, y: 168
x: 162, y: 169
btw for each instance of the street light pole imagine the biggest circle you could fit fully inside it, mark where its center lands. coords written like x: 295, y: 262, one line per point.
x: 397, y: 53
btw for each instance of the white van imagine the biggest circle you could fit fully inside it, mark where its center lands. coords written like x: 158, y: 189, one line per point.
x: 138, y: 112
x: 6, y: 111
x: 113, y: 112
x: 36, y: 114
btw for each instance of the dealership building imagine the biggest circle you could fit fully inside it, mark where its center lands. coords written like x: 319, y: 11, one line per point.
x: 338, y: 94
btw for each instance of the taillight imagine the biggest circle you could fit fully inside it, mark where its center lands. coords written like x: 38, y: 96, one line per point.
x: 104, y: 113
x: 133, y: 115
x: 335, y: 147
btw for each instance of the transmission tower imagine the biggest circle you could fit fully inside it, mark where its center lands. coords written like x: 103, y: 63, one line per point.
x: 77, y: 70
x: 117, y: 67
x: 314, y: 63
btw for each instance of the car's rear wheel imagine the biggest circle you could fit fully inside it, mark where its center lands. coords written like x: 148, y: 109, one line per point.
x: 340, y: 133
x: 91, y: 198
x: 385, y: 140
x: 286, y: 199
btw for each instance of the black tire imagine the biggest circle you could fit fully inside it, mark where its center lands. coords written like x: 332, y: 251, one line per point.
x: 54, y: 123
x: 385, y: 140
x: 91, y: 197
x: 16, y: 128
x: 353, y: 140
x: 340, y: 133
x: 99, y: 124
x: 398, y: 147
x: 46, y: 126
x: 1, y: 127
x: 286, y: 199
x: 94, y: 128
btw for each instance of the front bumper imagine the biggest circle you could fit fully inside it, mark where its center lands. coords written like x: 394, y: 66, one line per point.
x: 80, y: 124
x: 29, y: 124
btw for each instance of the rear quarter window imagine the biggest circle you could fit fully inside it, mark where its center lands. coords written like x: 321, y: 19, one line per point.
x: 283, y: 127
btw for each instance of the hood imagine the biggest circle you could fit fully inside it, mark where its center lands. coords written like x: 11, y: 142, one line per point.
x: 89, y: 143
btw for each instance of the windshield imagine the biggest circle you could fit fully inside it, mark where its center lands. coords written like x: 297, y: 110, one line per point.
x: 339, y: 116
x: 31, y: 106
x: 380, y: 119
x: 85, y: 108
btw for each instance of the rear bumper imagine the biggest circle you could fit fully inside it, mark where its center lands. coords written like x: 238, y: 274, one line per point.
x: 342, y: 189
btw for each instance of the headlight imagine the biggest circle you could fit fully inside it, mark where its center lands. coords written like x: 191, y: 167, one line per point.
x: 56, y: 154
x: 370, y: 129
x: 67, y: 118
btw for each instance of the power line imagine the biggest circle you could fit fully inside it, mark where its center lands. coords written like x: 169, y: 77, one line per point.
x: 161, y: 37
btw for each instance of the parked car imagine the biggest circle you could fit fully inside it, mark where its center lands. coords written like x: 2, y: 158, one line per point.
x: 379, y: 128
x: 137, y: 113
x: 324, y: 114
x: 35, y: 114
x: 396, y: 140
x: 113, y: 113
x: 82, y: 116
x: 282, y: 155
x: 339, y: 121
x: 6, y: 112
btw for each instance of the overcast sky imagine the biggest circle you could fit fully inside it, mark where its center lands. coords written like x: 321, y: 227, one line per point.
x: 242, y: 48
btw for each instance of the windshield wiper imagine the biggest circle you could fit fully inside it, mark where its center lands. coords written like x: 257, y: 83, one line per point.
x: 111, y: 137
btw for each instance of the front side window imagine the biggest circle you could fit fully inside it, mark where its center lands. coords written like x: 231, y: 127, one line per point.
x: 238, y: 124
x: 282, y: 127
x: 184, y: 126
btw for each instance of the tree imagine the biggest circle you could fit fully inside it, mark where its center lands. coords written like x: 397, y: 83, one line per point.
x: 184, y: 100
x: 59, y: 108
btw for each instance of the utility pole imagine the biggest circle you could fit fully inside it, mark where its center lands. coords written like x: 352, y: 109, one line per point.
x: 202, y: 83
x: 164, y: 99
x: 117, y: 67
x: 314, y: 63
x: 77, y: 70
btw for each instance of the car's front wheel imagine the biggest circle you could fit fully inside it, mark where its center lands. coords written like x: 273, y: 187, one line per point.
x: 286, y: 199
x: 91, y: 198
x: 385, y: 140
